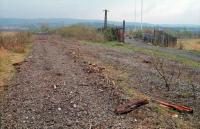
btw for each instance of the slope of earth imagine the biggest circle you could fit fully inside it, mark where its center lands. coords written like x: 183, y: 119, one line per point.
x: 56, y: 89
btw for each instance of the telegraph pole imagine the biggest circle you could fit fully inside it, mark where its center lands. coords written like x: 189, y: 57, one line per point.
x: 141, y: 26
x: 106, y: 19
x: 124, y: 29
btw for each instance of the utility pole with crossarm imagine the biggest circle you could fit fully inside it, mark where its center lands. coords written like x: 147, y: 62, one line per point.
x: 106, y: 19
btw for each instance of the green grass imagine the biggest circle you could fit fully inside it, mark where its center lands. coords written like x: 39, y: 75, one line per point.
x: 130, y: 48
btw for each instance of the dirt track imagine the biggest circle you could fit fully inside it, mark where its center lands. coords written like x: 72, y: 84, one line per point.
x: 54, y: 90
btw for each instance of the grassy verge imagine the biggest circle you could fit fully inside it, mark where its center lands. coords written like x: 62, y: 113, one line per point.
x: 14, y: 47
x: 7, y: 58
x: 130, y: 48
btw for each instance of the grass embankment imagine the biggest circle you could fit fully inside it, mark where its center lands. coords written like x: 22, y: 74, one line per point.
x: 131, y: 48
x: 14, y: 46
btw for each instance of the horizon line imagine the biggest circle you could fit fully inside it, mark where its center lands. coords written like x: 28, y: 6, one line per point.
x: 87, y: 19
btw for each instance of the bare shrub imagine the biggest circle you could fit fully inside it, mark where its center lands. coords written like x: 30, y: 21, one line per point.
x: 191, y: 82
x: 168, y: 72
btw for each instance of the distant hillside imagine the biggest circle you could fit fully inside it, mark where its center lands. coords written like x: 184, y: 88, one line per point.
x: 25, y: 24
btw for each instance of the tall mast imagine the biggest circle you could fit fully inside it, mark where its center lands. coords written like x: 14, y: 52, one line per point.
x: 141, y: 26
x: 135, y: 14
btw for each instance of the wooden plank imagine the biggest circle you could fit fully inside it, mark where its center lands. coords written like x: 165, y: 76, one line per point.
x: 179, y: 108
x: 130, y: 106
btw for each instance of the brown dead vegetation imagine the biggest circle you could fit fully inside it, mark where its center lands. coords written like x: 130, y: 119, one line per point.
x: 15, y: 41
x: 13, y: 49
x: 189, y: 44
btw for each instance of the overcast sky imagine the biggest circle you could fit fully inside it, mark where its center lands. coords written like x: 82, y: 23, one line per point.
x: 155, y: 11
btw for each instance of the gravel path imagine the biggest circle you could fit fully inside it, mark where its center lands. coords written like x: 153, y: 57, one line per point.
x: 52, y: 91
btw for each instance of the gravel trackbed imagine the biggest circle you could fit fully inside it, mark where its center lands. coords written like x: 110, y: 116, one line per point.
x: 52, y: 91
x: 66, y: 84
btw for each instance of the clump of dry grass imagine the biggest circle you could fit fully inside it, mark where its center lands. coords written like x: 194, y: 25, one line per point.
x: 3, y: 52
x: 80, y: 32
x: 14, y: 41
x: 189, y: 44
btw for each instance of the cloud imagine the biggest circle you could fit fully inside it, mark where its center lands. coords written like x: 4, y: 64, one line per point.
x: 155, y: 11
x: 169, y: 11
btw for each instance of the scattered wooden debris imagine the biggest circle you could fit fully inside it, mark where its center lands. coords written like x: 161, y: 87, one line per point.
x: 93, y: 68
x: 18, y: 63
x: 130, y: 106
x: 113, y: 82
x: 54, y: 87
x: 59, y: 74
x: 173, y: 115
x: 175, y: 107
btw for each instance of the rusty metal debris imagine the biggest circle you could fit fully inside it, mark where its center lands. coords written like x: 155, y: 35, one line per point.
x: 175, y: 107
x: 130, y: 106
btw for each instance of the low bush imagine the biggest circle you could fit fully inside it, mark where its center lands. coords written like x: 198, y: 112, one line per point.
x: 138, y: 34
x: 110, y: 34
